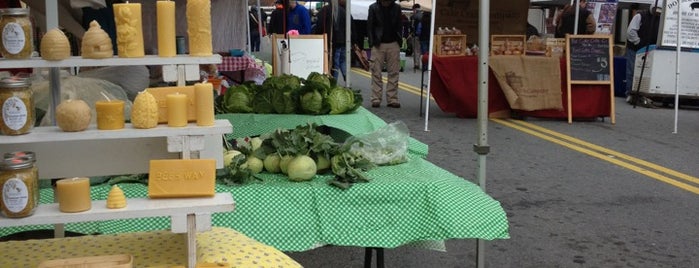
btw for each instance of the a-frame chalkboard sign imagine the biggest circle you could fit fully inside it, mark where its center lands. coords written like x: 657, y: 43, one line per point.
x: 590, y: 61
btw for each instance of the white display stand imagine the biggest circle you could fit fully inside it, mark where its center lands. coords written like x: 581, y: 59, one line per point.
x: 299, y: 55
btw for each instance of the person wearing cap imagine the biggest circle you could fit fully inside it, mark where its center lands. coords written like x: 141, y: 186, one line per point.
x: 415, y: 19
x: 384, y: 29
x: 298, y: 19
x: 642, y: 32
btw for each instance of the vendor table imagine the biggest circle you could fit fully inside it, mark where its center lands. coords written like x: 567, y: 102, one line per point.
x: 149, y: 249
x: 411, y: 202
x: 454, y: 86
x: 248, y: 68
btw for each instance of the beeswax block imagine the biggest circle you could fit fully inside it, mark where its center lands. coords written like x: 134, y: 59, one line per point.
x: 160, y: 94
x: 181, y: 178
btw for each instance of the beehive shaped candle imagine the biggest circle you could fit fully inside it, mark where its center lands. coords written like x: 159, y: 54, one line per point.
x: 96, y: 43
x: 55, y: 45
x: 116, y: 198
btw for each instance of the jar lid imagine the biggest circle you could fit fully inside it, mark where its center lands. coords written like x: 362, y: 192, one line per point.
x: 14, y: 82
x: 16, y: 163
x: 28, y: 154
x: 14, y: 11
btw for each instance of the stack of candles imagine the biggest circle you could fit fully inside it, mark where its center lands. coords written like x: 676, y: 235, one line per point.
x: 127, y: 17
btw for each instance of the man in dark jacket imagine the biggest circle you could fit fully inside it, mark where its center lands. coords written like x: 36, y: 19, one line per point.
x: 277, y: 23
x: 642, y: 31
x: 331, y: 21
x: 384, y: 28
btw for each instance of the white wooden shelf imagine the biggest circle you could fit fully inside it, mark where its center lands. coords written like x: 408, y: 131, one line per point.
x: 76, y: 61
x: 135, y: 208
x: 55, y: 134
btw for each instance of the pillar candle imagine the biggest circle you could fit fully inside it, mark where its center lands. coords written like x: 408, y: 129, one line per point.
x: 129, y: 30
x: 166, y: 28
x: 176, y: 110
x: 73, y: 194
x: 199, y: 27
x: 110, y: 114
x: 204, y: 95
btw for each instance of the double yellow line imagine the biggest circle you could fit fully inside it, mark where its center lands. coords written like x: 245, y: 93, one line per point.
x: 409, y: 88
x: 672, y: 177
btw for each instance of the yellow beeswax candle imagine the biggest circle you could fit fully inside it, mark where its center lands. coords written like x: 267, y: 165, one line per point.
x: 73, y: 194
x: 110, y: 114
x: 176, y: 110
x: 166, y: 28
x: 204, y: 95
x: 127, y: 17
x: 199, y: 27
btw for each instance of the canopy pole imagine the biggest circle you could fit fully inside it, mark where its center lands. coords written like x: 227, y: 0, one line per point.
x: 433, y: 14
x: 677, y: 65
x: 348, y: 43
x: 577, y: 16
x: 481, y: 147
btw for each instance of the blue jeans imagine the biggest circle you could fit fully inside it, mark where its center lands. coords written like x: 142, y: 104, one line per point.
x: 339, y: 61
x: 630, y: 65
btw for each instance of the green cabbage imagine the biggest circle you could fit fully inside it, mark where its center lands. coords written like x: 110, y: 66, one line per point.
x: 262, y: 101
x: 326, y: 80
x: 343, y: 100
x: 285, y: 101
x: 238, y: 99
x: 312, y: 98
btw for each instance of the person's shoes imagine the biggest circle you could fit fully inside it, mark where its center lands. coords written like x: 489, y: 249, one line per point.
x: 376, y: 105
x: 394, y: 105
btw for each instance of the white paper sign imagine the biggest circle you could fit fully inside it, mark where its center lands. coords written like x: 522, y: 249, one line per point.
x: 689, y: 34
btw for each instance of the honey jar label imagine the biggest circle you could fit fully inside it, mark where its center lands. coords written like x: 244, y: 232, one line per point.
x: 13, y: 38
x: 15, y: 195
x: 14, y: 113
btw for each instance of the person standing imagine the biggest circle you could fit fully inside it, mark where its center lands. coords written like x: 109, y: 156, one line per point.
x: 424, y: 28
x: 256, y: 24
x: 332, y: 21
x: 415, y: 20
x: 384, y: 28
x: 642, y: 31
x: 276, y: 21
x: 298, y: 19
x: 565, y: 23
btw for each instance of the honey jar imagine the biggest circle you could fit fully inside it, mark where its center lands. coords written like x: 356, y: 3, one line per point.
x: 17, y: 105
x: 19, y: 187
x: 17, y: 36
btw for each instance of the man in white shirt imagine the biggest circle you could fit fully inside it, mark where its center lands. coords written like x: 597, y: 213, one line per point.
x: 642, y: 32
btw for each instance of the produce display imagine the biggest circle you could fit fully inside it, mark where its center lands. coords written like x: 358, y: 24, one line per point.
x: 288, y: 94
x: 301, y: 154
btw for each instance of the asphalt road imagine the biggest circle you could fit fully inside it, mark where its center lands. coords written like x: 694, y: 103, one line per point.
x: 587, y: 194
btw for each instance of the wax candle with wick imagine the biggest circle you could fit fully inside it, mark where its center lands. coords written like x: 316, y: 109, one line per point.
x: 110, y: 113
x: 73, y: 194
x: 199, y: 27
x: 129, y: 30
x: 166, y: 28
x: 176, y: 110
x: 204, y: 95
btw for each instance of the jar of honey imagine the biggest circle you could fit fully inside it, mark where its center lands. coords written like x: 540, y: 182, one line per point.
x: 17, y: 36
x: 17, y: 106
x: 19, y: 187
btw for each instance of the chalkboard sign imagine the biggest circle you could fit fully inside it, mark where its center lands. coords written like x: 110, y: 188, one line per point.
x: 590, y: 58
x: 300, y: 55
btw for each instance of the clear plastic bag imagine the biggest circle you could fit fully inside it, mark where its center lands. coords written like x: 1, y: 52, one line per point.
x: 385, y: 146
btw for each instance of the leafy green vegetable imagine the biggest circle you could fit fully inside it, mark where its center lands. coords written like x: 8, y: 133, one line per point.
x: 340, y: 100
x: 262, y: 101
x: 312, y: 98
x: 238, y: 99
x: 323, y: 79
x: 279, y: 82
x: 285, y: 101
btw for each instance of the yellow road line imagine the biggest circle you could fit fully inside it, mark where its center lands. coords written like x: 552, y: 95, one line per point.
x: 609, y: 155
x: 401, y: 85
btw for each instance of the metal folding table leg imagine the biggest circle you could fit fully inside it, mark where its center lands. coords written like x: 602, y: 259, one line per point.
x: 368, y: 252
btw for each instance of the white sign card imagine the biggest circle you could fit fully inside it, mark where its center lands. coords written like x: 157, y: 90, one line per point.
x: 689, y: 33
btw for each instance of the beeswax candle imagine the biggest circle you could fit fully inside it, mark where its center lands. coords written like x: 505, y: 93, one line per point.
x: 166, y: 28
x: 199, y: 27
x: 204, y: 95
x: 73, y: 194
x: 110, y: 114
x: 176, y: 110
x: 127, y: 17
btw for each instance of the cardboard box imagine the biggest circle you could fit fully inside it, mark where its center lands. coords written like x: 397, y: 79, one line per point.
x: 514, y: 45
x: 446, y: 45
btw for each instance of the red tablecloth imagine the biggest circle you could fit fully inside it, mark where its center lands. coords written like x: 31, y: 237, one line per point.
x: 454, y: 86
x: 252, y: 70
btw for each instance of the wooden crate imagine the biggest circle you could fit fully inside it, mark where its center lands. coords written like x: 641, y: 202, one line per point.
x: 446, y: 45
x: 514, y: 45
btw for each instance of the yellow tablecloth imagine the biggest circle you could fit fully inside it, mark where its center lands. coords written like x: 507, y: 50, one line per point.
x: 149, y: 249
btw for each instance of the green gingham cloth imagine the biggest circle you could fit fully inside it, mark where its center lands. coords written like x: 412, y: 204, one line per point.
x: 402, y: 204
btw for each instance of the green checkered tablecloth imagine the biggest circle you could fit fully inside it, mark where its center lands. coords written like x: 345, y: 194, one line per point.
x: 406, y: 203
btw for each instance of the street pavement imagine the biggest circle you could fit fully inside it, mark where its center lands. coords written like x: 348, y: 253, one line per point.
x: 586, y: 194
